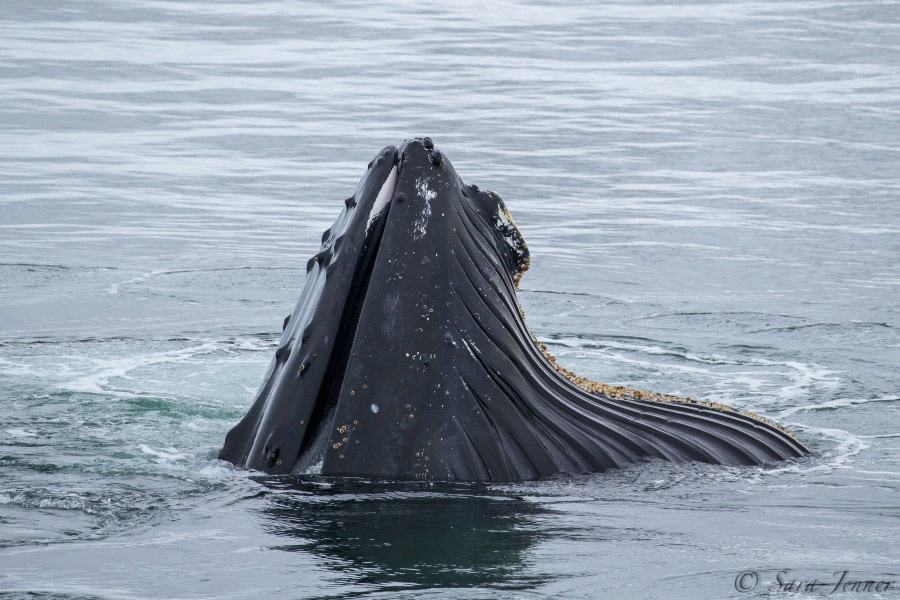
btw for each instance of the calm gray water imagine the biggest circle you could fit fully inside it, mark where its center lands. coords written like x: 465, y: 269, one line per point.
x: 710, y: 194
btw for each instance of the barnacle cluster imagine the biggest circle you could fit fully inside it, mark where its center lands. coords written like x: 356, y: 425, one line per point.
x: 620, y: 392
x: 507, y: 227
x: 513, y: 237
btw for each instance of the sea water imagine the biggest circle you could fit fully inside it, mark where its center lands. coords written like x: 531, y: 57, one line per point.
x: 710, y: 195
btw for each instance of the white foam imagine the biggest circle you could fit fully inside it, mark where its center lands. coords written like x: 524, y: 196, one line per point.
x: 778, y: 383
x: 200, y: 424
x: 838, y: 403
x: 98, y: 382
x: 114, y: 288
x: 165, y: 454
x: 315, y: 469
x: 7, y: 367
x: 848, y: 446
x: 21, y: 433
x: 806, y: 376
x: 218, y: 468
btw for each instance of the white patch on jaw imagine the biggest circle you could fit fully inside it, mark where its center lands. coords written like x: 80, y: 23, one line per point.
x: 427, y: 195
x: 384, y: 196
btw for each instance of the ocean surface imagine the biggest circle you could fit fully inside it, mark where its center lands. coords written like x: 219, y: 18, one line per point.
x: 711, y: 195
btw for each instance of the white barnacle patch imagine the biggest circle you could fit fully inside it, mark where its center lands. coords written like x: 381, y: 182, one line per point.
x: 384, y: 196
x: 503, y: 221
x: 508, y: 231
x: 427, y: 195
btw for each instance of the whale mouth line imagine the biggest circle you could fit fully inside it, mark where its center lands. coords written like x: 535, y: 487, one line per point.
x: 330, y: 390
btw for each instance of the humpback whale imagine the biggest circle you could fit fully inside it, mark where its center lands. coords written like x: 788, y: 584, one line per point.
x: 407, y: 357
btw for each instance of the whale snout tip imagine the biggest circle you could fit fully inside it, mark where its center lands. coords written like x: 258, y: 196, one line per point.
x: 422, y: 151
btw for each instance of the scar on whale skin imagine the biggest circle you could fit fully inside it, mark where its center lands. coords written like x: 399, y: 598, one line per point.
x: 407, y: 356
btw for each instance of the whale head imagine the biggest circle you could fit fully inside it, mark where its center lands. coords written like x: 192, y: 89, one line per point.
x: 374, y: 306
x: 407, y: 356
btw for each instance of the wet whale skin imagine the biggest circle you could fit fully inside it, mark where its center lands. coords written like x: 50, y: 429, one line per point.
x: 407, y: 357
